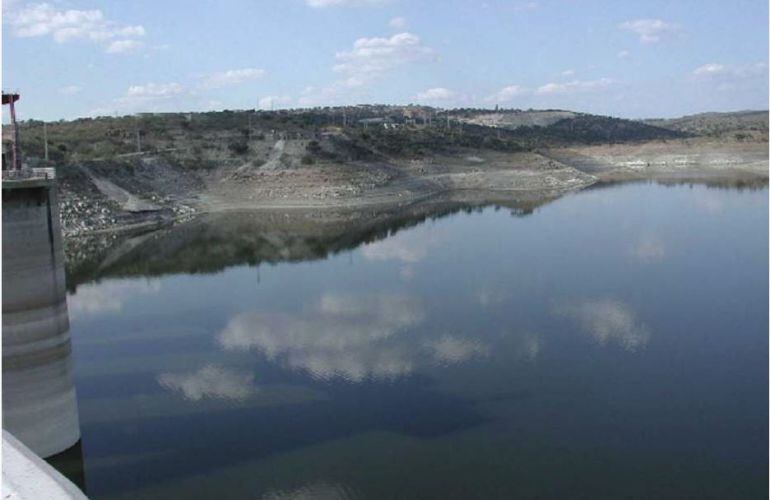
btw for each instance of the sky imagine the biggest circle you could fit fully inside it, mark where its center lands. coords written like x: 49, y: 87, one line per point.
x: 632, y: 59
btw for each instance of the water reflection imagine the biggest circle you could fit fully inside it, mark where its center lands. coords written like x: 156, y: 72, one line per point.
x: 70, y: 464
x: 335, y: 378
x: 449, y: 349
x: 109, y: 296
x: 648, y: 249
x: 340, y: 336
x: 216, y: 241
x: 488, y: 297
x: 316, y: 491
x: 210, y: 382
x: 409, y: 248
x: 607, y: 320
x: 354, y: 338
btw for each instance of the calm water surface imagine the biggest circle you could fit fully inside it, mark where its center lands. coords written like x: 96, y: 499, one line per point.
x: 611, y: 344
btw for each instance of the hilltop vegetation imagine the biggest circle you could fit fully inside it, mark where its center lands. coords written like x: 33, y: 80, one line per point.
x: 740, y: 125
x: 205, y: 140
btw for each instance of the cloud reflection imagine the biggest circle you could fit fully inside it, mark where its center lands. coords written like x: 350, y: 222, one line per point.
x: 108, y: 296
x: 648, y: 249
x: 321, y: 490
x: 350, y: 337
x: 210, y: 382
x: 409, y: 248
x: 449, y: 349
x: 608, y: 320
x: 488, y: 297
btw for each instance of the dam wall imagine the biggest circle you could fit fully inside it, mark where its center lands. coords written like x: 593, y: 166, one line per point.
x: 39, y: 402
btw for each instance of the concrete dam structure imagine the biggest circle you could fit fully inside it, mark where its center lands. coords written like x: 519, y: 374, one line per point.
x: 39, y: 402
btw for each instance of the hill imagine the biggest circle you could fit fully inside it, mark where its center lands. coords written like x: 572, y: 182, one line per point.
x: 202, y: 140
x: 739, y: 125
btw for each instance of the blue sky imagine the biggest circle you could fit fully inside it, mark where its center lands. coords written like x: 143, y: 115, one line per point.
x: 72, y: 58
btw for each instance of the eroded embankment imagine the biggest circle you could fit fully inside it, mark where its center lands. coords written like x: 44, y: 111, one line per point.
x: 150, y: 192
x: 100, y: 197
x: 689, y: 158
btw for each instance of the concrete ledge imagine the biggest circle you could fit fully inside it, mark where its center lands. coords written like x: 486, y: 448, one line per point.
x: 28, y: 477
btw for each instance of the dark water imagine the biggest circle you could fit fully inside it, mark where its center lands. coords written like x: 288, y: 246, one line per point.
x: 612, y: 344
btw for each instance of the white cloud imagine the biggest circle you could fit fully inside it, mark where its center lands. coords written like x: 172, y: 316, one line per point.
x: 70, y: 90
x: 507, y: 94
x: 436, y: 94
x: 575, y: 86
x: 371, y: 58
x: 651, y: 30
x: 608, y: 320
x: 525, y: 6
x: 735, y: 78
x: 273, y: 101
x: 123, y: 46
x: 153, y: 97
x: 398, y: 23
x: 65, y: 25
x: 129, y: 31
x: 153, y: 90
x: 738, y: 71
x: 211, y: 381
x: 568, y: 72
x: 231, y: 77
x: 148, y: 97
x: 624, y: 54
x: 710, y: 69
x: 342, y: 3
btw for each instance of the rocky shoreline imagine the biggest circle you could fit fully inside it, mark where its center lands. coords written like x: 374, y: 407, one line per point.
x: 98, y: 198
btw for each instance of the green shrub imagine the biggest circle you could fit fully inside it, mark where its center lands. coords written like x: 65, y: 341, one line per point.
x: 238, y: 147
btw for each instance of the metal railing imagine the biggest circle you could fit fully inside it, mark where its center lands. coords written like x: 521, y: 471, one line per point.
x: 28, y: 174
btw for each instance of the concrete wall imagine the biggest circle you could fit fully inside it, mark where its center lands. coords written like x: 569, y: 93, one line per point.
x: 27, y: 477
x: 39, y: 404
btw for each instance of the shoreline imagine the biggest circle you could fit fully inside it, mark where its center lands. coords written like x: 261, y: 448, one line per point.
x: 101, y: 200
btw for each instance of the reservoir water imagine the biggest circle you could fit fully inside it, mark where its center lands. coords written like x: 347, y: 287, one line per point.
x: 612, y: 343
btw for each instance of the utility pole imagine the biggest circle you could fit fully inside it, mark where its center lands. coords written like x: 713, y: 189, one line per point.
x: 249, y: 134
x: 45, y: 140
x: 138, y: 136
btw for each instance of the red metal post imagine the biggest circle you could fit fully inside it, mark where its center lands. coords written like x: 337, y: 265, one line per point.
x: 10, y: 99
